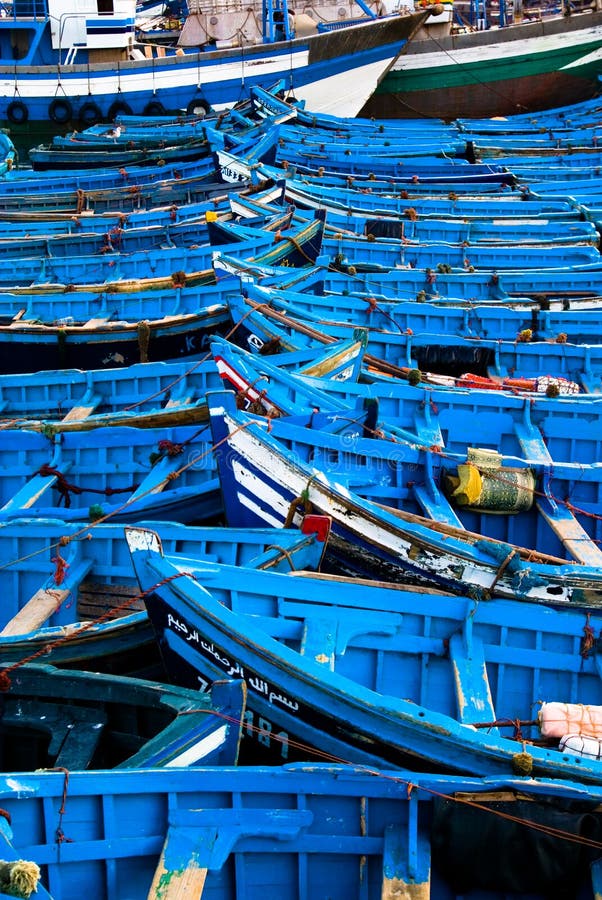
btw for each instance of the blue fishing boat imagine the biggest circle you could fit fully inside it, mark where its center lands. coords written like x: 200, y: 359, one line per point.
x: 265, y: 481
x: 143, y: 395
x: 511, y: 231
x: 25, y: 221
x: 90, y: 69
x: 362, y: 252
x: 80, y: 241
x: 161, y: 473
x: 125, y: 197
x: 502, y: 482
x: 305, y: 830
x: 23, y: 181
x: 56, y: 157
x: 377, y: 674
x: 499, y: 321
x: 299, y: 247
x: 50, y: 718
x: 519, y: 362
x: 72, y: 599
x: 127, y: 330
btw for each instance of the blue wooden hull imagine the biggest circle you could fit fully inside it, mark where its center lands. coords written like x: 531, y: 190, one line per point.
x: 368, y: 673
x: 141, y: 394
x: 359, y: 251
x: 118, y: 472
x: 57, y: 158
x: 83, y: 720
x: 445, y: 354
x: 498, y: 322
x: 263, y: 482
x: 70, y: 591
x: 107, y: 345
x: 304, y: 831
x: 22, y: 182
x: 454, y: 231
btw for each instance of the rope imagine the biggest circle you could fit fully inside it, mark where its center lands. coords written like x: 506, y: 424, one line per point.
x: 302, y: 499
x: 107, y: 615
x: 309, y: 751
x: 589, y: 638
x: 298, y: 247
x: 66, y: 488
x: 284, y: 552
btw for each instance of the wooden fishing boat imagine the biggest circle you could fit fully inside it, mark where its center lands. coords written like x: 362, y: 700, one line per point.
x: 23, y: 181
x: 72, y: 599
x: 545, y: 287
x: 512, y: 321
x: 502, y: 481
x: 361, y: 252
x: 102, y: 73
x: 127, y: 197
x: 143, y: 395
x: 299, y: 247
x: 299, y: 830
x: 107, y: 341
x: 491, y: 233
x: 82, y: 720
x: 115, y: 472
x: 375, y: 674
x: 494, y: 72
x: 576, y: 367
x: 56, y: 158
x: 50, y: 718
x: 80, y: 241
x: 32, y: 224
x: 264, y: 481
x: 510, y: 432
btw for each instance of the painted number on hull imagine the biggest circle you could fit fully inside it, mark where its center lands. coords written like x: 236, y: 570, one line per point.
x: 261, y: 730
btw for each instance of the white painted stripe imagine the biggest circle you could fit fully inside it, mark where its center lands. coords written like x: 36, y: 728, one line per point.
x: 594, y: 57
x: 258, y: 511
x: 489, y: 52
x: 203, y: 748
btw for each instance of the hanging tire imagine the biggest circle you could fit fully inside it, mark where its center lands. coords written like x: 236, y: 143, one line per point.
x: 119, y: 108
x: 17, y: 113
x: 89, y: 114
x: 154, y: 108
x: 196, y: 105
x: 60, y: 111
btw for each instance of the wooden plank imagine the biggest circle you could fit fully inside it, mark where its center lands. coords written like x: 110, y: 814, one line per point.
x: 77, y: 413
x: 95, y: 323
x: 406, y: 861
x: 95, y: 600
x: 473, y: 693
x: 525, y: 553
x: 561, y: 520
x: 31, y: 491
x: 438, y: 508
x: 157, y: 479
x: 319, y: 640
x: 202, y: 839
x: 181, y: 401
x: 181, y: 882
x: 36, y: 611
x: 572, y: 534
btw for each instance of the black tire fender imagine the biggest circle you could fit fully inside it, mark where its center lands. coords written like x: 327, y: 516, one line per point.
x: 60, y: 110
x: 119, y: 108
x: 17, y: 112
x: 195, y: 104
x: 89, y: 113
